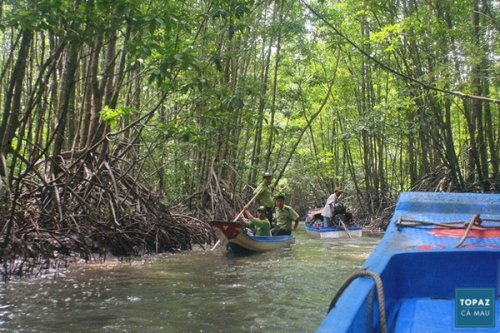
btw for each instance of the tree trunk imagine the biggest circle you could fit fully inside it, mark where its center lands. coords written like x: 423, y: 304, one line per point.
x: 66, y: 95
x: 12, y: 107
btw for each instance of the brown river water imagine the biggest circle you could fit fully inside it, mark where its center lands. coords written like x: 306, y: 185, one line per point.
x: 285, y: 290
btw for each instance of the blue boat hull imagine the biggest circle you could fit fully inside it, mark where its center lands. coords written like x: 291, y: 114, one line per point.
x: 421, y: 266
x: 314, y: 227
x: 353, y: 230
x: 254, y: 244
x: 237, y: 240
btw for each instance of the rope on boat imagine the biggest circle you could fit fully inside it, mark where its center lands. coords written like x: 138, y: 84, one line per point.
x: 380, y: 294
x: 406, y: 222
x: 474, y: 221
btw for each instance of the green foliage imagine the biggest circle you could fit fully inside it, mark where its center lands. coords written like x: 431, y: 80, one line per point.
x: 270, y: 84
x: 112, y: 116
x: 178, y: 132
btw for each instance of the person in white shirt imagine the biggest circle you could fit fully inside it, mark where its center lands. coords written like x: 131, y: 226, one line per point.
x: 330, y: 202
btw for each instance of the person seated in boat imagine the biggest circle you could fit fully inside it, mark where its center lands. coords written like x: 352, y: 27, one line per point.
x: 259, y: 224
x: 264, y: 195
x: 328, y: 209
x: 284, y: 216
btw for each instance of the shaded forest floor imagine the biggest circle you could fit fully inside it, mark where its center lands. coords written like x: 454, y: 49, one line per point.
x: 86, y: 214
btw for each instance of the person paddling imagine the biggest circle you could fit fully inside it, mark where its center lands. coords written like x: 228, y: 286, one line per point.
x: 264, y: 195
x: 260, y: 224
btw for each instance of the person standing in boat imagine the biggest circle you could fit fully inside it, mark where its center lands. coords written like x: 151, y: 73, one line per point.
x: 328, y: 209
x: 264, y: 195
x: 259, y: 224
x: 284, y: 216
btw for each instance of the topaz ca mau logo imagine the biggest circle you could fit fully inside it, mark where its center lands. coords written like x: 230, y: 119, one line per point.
x: 475, y: 302
x: 477, y: 307
x: 474, y: 307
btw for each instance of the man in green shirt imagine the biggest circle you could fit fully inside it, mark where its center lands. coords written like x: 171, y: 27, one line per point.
x: 260, y: 224
x: 264, y: 195
x: 284, y: 216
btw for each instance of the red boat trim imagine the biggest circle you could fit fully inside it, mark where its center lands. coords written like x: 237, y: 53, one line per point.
x: 479, y: 232
x: 230, y: 230
x: 439, y: 246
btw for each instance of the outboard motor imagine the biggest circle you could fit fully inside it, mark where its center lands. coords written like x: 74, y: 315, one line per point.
x: 339, y: 214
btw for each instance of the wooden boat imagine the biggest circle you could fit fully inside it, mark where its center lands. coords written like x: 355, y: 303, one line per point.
x: 314, y: 228
x: 437, y: 269
x: 234, y: 236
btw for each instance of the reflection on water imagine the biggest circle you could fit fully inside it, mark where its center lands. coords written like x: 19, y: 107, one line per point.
x: 286, y: 290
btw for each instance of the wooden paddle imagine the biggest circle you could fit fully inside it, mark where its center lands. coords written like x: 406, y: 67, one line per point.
x: 345, y: 228
x: 251, y: 200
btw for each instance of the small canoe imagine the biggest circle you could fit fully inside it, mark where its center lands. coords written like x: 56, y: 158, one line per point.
x: 314, y: 228
x: 234, y: 236
x: 435, y: 270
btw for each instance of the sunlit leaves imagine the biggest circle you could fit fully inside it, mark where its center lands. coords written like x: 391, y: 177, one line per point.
x: 113, y: 116
x: 388, y: 37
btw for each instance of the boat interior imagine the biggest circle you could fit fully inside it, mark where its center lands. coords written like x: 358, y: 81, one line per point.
x: 419, y: 291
